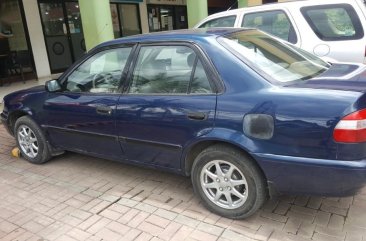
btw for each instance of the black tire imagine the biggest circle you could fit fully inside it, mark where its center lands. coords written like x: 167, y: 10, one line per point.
x: 43, y: 153
x: 255, y: 187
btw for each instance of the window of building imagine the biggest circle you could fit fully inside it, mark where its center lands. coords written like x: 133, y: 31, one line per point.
x: 126, y: 19
x: 166, y: 17
x: 334, y: 22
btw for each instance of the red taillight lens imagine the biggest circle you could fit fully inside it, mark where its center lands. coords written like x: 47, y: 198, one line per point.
x: 352, y: 128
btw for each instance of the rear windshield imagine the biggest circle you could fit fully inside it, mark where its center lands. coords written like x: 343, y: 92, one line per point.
x: 273, y: 59
x: 334, y: 22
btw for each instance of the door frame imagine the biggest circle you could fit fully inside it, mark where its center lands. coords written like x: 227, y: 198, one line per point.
x: 68, y: 34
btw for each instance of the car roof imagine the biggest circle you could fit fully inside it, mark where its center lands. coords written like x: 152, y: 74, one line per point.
x: 176, y: 35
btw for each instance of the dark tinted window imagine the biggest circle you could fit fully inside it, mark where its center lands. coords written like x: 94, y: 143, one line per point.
x: 273, y: 22
x: 228, y: 21
x: 334, y: 22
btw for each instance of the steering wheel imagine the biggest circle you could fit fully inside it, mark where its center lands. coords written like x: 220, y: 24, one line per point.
x: 101, y: 78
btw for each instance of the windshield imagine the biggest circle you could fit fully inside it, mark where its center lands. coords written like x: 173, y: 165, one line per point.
x: 273, y: 58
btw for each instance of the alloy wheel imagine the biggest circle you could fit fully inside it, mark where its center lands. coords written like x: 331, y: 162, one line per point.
x: 27, y: 141
x: 224, y: 184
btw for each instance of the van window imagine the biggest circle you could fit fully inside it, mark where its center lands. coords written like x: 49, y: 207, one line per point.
x: 273, y: 22
x: 228, y: 21
x: 334, y: 22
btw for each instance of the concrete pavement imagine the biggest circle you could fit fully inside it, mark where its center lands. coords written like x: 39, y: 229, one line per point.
x: 76, y: 197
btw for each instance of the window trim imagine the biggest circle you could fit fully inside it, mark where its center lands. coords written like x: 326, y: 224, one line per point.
x: 296, y: 40
x: 63, y: 78
x: 352, y: 13
x: 211, y: 72
x: 226, y: 16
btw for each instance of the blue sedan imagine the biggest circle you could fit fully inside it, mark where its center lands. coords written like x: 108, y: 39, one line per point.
x: 241, y: 113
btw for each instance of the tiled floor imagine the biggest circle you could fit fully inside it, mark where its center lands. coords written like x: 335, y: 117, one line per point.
x: 76, y: 197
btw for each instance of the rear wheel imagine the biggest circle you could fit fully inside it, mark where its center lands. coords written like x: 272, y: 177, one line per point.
x: 31, y: 141
x: 229, y: 183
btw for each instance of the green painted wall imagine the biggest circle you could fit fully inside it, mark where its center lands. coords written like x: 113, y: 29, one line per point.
x: 242, y: 3
x: 97, y: 22
x: 197, y: 10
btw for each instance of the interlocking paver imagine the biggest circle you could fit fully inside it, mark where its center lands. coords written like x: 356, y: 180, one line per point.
x: 76, y: 197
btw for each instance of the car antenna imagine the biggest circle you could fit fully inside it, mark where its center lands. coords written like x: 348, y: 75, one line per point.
x: 236, y: 1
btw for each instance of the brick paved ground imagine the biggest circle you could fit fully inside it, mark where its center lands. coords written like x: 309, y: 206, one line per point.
x: 75, y: 197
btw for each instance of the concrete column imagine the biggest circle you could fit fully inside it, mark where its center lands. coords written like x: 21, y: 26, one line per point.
x: 38, y: 44
x: 255, y: 2
x: 97, y: 22
x: 242, y: 3
x: 197, y: 10
x: 143, y: 17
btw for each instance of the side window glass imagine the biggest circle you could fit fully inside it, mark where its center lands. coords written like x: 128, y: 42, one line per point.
x: 169, y: 70
x: 200, y: 83
x: 163, y: 70
x: 220, y: 22
x: 273, y: 22
x: 334, y: 22
x: 99, y: 74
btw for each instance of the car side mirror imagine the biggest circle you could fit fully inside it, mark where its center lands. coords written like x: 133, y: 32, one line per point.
x: 53, y: 86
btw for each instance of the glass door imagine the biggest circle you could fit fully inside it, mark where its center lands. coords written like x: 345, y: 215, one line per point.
x: 62, y: 28
x: 153, y: 12
x: 56, y: 36
x: 16, y: 60
x: 181, y: 19
x: 166, y: 15
x: 75, y: 29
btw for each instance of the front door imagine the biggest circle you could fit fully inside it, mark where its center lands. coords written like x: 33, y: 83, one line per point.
x: 82, y: 116
x: 169, y: 101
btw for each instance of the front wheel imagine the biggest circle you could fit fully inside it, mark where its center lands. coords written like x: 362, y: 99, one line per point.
x: 229, y: 183
x: 31, y: 141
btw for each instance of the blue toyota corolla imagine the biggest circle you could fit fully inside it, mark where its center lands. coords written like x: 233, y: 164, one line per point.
x: 240, y: 112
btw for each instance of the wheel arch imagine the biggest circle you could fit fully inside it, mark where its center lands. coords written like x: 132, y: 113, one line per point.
x: 194, y: 149
x: 14, y: 116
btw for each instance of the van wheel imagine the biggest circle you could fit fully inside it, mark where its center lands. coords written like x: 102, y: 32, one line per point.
x: 31, y: 141
x: 229, y: 183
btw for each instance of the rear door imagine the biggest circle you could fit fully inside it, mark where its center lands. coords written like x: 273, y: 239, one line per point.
x: 170, y: 100
x: 337, y: 31
x: 276, y: 22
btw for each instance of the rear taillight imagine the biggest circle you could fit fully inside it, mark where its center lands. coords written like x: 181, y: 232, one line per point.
x: 352, y: 128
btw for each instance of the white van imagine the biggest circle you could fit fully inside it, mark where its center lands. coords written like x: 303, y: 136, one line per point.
x: 333, y: 29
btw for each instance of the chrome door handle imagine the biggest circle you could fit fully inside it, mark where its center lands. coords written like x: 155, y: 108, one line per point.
x: 104, y: 110
x: 196, y: 116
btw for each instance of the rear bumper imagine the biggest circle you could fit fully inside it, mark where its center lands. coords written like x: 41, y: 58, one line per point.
x: 313, y: 176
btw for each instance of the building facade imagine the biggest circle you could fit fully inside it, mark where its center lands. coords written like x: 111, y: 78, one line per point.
x: 47, y: 36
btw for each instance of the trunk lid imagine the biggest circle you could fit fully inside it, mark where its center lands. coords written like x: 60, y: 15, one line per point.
x: 347, y: 77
